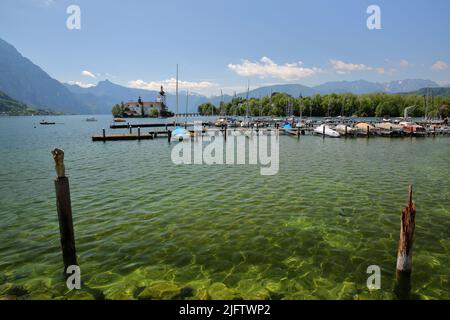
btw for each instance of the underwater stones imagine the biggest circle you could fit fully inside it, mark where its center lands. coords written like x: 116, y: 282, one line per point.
x: 78, y: 295
x: 160, y: 291
x: 3, y: 279
x: 103, y: 279
x: 17, y: 291
x: 219, y: 291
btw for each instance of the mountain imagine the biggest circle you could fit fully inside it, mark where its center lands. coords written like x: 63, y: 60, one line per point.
x: 437, y: 92
x: 22, y: 80
x: 9, y: 106
x: 362, y: 86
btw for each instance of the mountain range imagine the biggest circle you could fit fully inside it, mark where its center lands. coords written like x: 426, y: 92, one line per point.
x: 26, y: 82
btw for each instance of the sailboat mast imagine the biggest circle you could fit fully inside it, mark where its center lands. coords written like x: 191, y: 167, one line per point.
x: 176, y: 101
x: 247, y: 102
x: 187, y: 103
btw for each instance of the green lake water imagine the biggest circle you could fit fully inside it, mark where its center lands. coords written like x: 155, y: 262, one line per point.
x: 146, y: 228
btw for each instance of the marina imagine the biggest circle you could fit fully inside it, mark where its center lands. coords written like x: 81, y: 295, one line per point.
x: 338, y: 213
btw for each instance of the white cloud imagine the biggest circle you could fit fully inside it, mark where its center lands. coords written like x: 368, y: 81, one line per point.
x: 342, y: 67
x: 170, y: 85
x: 87, y: 73
x: 267, y: 68
x: 439, y: 65
x: 82, y: 84
x: 404, y: 63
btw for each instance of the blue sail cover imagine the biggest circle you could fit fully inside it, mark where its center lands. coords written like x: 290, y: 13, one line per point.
x: 287, y: 125
x: 179, y: 131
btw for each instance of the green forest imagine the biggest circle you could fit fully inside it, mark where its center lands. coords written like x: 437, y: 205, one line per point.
x: 367, y: 105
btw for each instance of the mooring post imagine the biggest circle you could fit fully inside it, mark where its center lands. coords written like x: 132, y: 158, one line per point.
x: 129, y: 127
x: 405, y: 246
x: 139, y: 133
x: 169, y: 135
x: 345, y: 130
x: 104, y: 135
x: 64, y: 209
x: 368, y: 131
x: 323, y: 131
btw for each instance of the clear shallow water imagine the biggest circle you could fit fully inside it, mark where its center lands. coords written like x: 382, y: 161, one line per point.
x: 146, y: 228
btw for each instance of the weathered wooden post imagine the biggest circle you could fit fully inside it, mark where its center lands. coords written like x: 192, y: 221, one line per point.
x: 129, y: 127
x: 345, y: 130
x: 405, y: 246
x: 169, y: 135
x: 368, y: 131
x: 323, y: 131
x: 64, y: 208
x: 104, y: 135
x: 139, y: 133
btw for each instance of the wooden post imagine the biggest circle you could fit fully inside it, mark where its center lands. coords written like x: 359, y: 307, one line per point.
x: 169, y: 135
x: 64, y: 209
x: 139, y: 133
x: 323, y: 131
x: 104, y: 135
x: 368, y: 131
x: 405, y: 246
x: 129, y: 126
x: 345, y: 130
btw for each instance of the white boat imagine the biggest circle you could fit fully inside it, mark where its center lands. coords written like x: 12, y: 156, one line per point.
x: 327, y: 131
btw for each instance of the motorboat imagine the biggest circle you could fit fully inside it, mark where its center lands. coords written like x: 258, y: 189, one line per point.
x: 46, y: 123
x: 119, y: 120
x: 327, y: 131
x: 91, y: 119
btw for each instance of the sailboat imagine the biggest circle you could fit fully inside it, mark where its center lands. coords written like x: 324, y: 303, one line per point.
x: 179, y: 133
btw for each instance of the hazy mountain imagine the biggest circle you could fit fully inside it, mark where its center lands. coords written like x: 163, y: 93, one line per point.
x: 24, y: 81
x: 362, y: 86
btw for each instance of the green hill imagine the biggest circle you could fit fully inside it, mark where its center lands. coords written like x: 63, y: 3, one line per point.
x: 11, y: 107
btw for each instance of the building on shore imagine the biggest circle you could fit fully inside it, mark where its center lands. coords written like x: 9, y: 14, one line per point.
x: 146, y: 108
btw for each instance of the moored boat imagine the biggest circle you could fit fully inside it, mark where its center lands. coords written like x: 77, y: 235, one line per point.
x: 180, y: 134
x: 413, y: 129
x: 345, y: 129
x: 119, y: 120
x: 327, y: 131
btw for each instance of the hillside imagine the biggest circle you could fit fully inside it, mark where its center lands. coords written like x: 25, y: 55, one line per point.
x: 11, y: 107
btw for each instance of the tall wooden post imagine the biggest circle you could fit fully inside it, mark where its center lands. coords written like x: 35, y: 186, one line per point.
x: 64, y: 208
x: 104, y: 135
x: 139, y: 133
x: 169, y: 135
x: 405, y: 246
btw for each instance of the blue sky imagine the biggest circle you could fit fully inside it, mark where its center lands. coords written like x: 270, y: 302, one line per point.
x: 220, y: 44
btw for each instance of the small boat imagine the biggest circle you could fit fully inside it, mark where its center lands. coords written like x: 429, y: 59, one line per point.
x: 286, y: 125
x: 361, y: 128
x: 327, y: 131
x: 341, y: 128
x: 119, y: 120
x: 46, y: 123
x: 180, y: 134
x: 387, y: 128
x: 91, y: 119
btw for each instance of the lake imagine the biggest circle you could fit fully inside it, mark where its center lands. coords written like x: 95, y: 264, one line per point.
x: 147, y: 228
